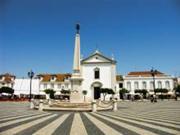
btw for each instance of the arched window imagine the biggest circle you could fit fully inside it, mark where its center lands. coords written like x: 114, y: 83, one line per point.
x: 151, y: 85
x: 52, y: 85
x: 129, y: 86
x: 159, y: 85
x: 96, y: 73
x: 167, y: 85
x: 144, y: 85
x: 136, y: 85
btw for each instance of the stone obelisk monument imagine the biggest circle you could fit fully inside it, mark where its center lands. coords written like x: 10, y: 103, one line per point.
x: 76, y: 79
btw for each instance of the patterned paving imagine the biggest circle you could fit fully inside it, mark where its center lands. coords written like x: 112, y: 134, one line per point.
x: 132, y: 118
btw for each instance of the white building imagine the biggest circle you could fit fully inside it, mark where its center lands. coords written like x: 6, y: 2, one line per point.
x: 57, y: 82
x: 98, y: 72
x: 178, y: 80
x: 144, y: 80
x: 7, y: 80
x: 22, y: 86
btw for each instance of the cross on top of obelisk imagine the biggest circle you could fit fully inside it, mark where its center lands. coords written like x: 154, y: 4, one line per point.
x: 77, y: 28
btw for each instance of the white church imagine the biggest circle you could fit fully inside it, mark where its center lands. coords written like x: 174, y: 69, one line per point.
x: 90, y: 74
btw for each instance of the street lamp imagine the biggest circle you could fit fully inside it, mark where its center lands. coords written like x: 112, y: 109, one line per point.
x: 153, y: 73
x: 30, y: 75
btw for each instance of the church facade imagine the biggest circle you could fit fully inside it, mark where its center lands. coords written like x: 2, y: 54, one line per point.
x: 98, y: 72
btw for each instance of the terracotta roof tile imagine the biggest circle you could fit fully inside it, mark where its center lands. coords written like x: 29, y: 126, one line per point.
x: 59, y: 77
x: 145, y: 73
x: 7, y: 77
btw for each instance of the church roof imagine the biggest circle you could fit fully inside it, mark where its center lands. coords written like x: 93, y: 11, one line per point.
x: 59, y: 77
x: 145, y: 74
x: 97, y: 53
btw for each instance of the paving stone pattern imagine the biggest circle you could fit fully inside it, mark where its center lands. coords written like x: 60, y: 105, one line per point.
x: 132, y: 118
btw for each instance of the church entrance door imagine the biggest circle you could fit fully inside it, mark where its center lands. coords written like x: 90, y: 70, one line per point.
x: 96, y: 92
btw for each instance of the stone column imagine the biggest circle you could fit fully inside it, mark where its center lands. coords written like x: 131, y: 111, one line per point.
x: 41, y: 105
x: 94, y: 106
x: 115, y: 105
x: 32, y: 104
x: 50, y: 102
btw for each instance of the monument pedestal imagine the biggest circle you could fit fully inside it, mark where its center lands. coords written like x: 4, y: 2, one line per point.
x: 76, y: 92
x: 76, y: 97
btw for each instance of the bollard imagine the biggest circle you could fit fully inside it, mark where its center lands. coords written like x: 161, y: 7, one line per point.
x: 50, y: 102
x: 114, y: 105
x: 94, y: 107
x: 41, y: 105
x: 32, y: 104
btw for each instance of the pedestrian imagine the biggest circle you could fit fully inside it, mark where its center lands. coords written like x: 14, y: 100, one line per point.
x: 176, y: 98
x: 151, y: 98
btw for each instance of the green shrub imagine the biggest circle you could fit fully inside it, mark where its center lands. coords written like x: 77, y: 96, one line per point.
x: 177, y: 90
x: 106, y: 91
x: 161, y: 91
x: 6, y: 90
x: 51, y: 92
x: 143, y: 92
x: 65, y: 91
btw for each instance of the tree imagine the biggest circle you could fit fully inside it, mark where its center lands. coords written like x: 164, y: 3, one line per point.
x: 84, y: 92
x: 122, y: 92
x: 6, y: 90
x: 161, y: 91
x: 106, y: 91
x: 50, y: 92
x: 66, y: 92
x: 177, y: 90
x: 143, y: 92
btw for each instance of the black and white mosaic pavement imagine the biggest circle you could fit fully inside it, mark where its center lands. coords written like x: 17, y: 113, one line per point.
x: 132, y: 118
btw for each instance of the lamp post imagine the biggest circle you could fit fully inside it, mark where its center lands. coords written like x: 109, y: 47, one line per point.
x: 30, y: 75
x: 153, y: 73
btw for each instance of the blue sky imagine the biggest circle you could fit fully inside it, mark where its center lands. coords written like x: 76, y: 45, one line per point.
x: 39, y: 34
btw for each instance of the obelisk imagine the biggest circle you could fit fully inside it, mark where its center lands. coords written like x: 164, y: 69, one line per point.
x: 76, y: 79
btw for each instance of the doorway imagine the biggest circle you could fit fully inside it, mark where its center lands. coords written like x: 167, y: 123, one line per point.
x: 97, y: 92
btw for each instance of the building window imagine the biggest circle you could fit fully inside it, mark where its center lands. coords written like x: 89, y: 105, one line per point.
x: 66, y: 86
x: 96, y: 73
x: 151, y: 85
x: 144, y: 86
x: 59, y: 86
x: 167, y: 85
x: 53, y: 78
x: 129, y: 86
x: 52, y: 86
x: 45, y: 86
x: 136, y: 85
x: 160, y: 85
x: 120, y: 85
